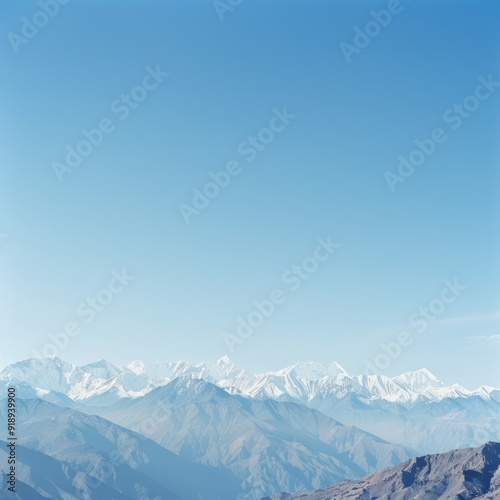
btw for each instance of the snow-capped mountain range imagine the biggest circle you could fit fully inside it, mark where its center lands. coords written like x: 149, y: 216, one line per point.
x: 415, y: 409
x: 102, y: 382
x: 302, y: 427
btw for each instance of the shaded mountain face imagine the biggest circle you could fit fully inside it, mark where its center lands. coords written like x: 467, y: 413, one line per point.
x: 472, y: 473
x: 40, y: 476
x: 86, y: 456
x: 268, y: 445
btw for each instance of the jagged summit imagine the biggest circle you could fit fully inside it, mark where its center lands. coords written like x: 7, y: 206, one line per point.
x: 422, y: 378
x: 219, y: 369
x: 136, y: 366
x: 102, y: 367
x: 312, y: 370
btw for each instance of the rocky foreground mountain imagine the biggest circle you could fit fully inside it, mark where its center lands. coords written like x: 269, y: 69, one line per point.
x: 473, y: 473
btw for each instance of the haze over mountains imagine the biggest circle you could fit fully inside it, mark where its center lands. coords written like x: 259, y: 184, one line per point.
x: 227, y: 433
x: 414, y: 409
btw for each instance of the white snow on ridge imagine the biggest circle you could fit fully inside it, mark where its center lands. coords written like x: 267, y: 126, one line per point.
x: 311, y: 370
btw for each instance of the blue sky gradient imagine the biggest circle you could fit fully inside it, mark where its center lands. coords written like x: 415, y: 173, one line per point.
x: 322, y: 175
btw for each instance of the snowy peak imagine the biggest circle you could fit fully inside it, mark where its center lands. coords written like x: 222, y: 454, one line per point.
x: 101, y: 369
x: 218, y: 370
x: 50, y: 374
x: 408, y: 387
x: 420, y: 379
x: 313, y: 371
x: 225, y: 360
x: 136, y: 366
x: 165, y: 371
x: 51, y: 363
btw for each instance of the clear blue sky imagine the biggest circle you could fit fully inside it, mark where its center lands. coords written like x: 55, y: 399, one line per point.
x: 322, y: 175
